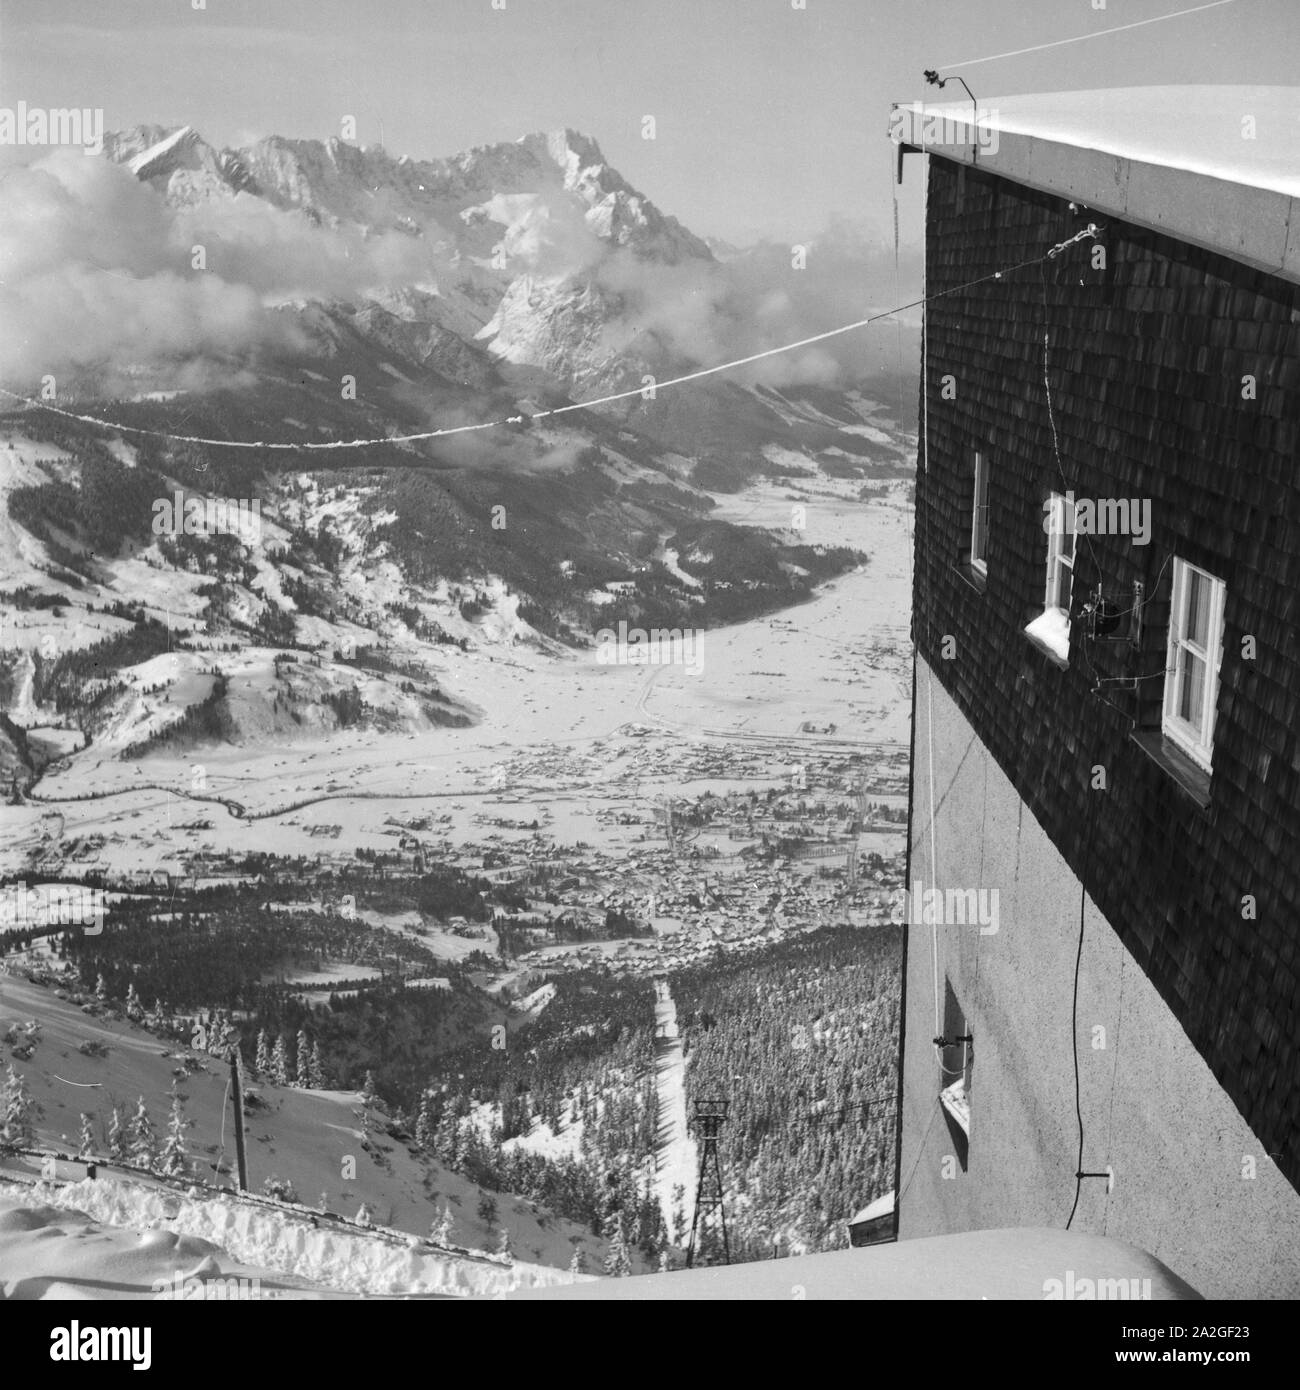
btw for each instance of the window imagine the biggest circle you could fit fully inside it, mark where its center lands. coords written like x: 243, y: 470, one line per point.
x: 1061, y: 540
x: 979, y: 522
x: 1050, y: 631
x: 1192, y: 667
x: 956, y: 1061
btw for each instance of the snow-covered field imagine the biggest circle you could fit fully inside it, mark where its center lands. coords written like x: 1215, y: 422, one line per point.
x: 110, y: 1238
x: 54, y: 1250
x: 839, y: 659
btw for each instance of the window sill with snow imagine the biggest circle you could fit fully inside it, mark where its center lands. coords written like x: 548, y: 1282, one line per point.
x: 1050, y: 633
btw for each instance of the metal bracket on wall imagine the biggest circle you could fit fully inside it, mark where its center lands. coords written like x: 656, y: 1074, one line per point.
x: 1104, y: 617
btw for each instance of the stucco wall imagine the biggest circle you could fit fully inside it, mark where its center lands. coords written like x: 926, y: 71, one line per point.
x: 1152, y: 1109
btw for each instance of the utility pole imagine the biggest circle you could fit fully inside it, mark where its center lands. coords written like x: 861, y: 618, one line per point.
x: 710, y: 1116
x: 237, y: 1091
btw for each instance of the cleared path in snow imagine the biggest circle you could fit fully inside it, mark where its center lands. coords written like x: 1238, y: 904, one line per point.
x: 675, y: 1156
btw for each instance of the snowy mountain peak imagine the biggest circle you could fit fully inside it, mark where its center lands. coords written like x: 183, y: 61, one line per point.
x: 156, y: 154
x: 567, y: 147
x: 500, y: 246
x: 179, y: 163
x: 338, y: 183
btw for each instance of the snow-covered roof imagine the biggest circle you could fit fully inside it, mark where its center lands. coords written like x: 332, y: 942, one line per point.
x: 1035, y: 1263
x: 882, y: 1206
x: 1214, y: 165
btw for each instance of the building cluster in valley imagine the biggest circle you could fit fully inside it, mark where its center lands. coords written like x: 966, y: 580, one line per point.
x: 643, y: 855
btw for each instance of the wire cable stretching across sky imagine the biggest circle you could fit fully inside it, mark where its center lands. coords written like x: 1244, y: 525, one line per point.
x: 1080, y: 38
x: 645, y: 392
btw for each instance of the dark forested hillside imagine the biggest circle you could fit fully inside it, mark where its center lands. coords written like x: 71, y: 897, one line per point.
x: 583, y: 1070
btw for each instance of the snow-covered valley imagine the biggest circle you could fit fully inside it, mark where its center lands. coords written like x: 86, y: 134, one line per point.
x: 425, y: 776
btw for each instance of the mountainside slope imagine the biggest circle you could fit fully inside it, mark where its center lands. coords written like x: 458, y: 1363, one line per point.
x: 304, y: 1140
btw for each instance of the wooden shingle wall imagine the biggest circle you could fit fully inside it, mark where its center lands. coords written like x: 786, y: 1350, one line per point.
x: 1148, y: 360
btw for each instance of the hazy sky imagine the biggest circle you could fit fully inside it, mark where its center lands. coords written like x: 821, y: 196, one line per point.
x: 769, y: 119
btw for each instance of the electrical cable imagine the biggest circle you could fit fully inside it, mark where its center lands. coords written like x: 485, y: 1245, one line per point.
x: 1097, y: 680
x: 920, y: 1150
x: 924, y: 472
x: 638, y: 391
x: 1080, y: 38
x: 1074, y: 1008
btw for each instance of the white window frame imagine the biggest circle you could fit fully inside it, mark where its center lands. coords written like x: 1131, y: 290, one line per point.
x: 979, y: 520
x: 1061, y: 545
x: 1196, y: 740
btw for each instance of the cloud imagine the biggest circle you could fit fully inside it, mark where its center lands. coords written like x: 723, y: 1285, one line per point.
x: 709, y: 313
x: 97, y: 274
x: 92, y: 274
x: 97, y: 278
x: 284, y: 256
x: 553, y: 449
x: 544, y: 233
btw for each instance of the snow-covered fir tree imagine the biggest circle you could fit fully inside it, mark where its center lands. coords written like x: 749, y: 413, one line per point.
x: 262, y: 1060
x: 423, y: 1127
x: 315, y: 1071
x: 304, y: 1062
x: 575, y: 1264
x: 173, y: 1160
x: 368, y: 1093
x: 143, y: 1143
x: 679, y: 1213
x: 446, y: 1138
x: 280, y: 1068
x: 101, y: 990
x: 134, y: 1008
x: 221, y: 1036
x: 116, y: 1137
x: 86, y: 1143
x: 503, y: 1243
x: 440, y: 1230
x: 18, y: 1131
x: 618, y: 1262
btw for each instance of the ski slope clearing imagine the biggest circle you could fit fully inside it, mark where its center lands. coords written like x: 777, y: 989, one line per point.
x: 675, y: 1154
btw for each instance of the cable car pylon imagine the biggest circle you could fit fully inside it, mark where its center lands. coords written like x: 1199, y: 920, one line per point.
x: 710, y: 1116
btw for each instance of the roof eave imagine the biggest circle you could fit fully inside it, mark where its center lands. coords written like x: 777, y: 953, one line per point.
x: 1259, y: 227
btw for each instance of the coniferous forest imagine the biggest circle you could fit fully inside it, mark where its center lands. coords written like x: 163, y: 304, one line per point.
x: 802, y: 1041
